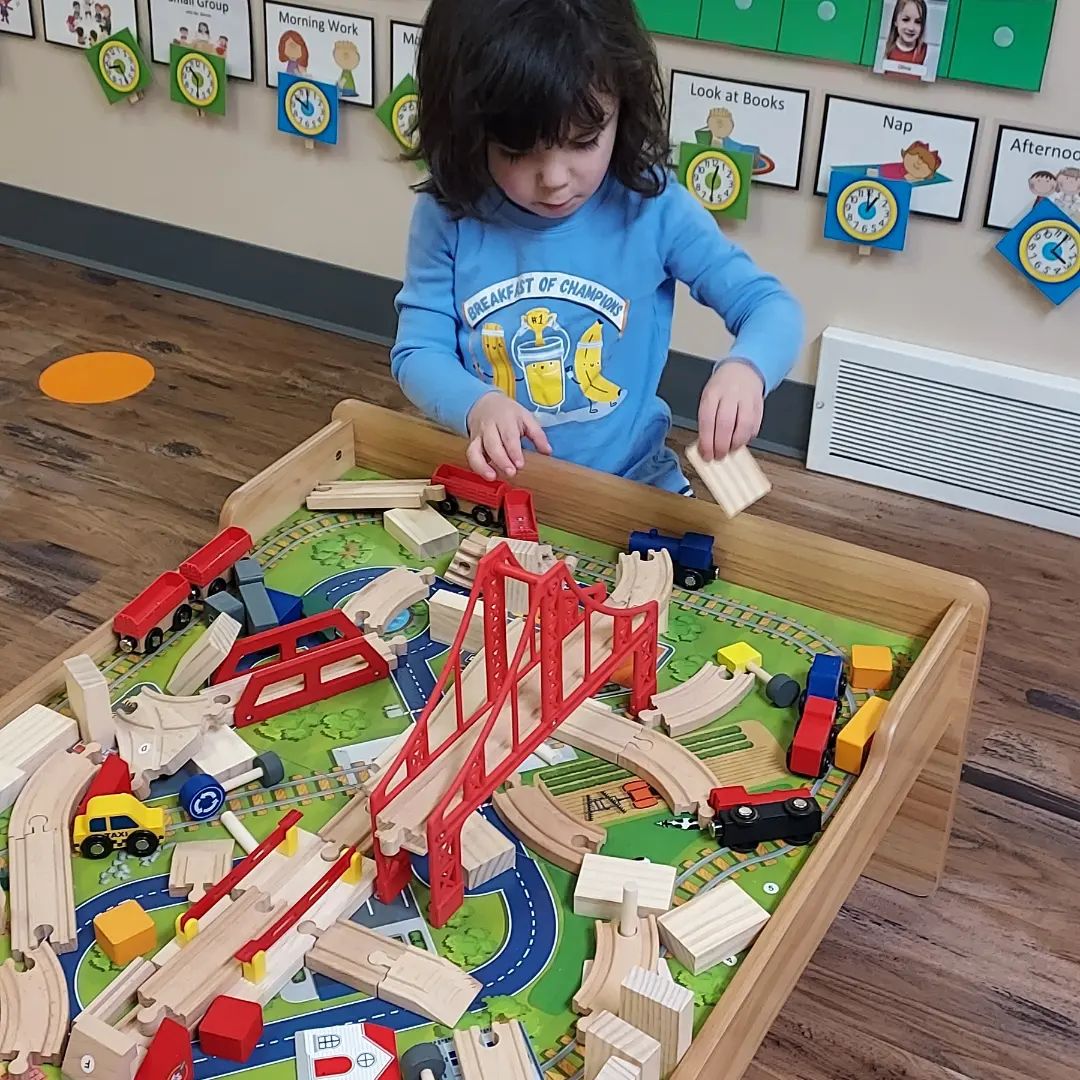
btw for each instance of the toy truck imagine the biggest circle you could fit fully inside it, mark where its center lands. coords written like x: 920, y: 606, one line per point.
x: 467, y: 491
x: 691, y: 555
x: 163, y: 605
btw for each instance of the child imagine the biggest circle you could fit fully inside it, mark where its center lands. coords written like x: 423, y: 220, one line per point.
x: 1068, y: 192
x: 546, y: 244
x: 905, y: 44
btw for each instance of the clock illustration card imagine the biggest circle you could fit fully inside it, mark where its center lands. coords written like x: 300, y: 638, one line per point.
x: 120, y: 66
x: 719, y: 179
x: 398, y: 113
x: 197, y: 79
x: 870, y: 211
x: 1045, y: 248
x: 308, y: 108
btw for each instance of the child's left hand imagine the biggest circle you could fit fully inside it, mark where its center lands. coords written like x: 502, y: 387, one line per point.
x: 730, y: 412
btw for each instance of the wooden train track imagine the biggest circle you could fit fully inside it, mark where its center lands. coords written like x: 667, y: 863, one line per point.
x: 34, y: 1011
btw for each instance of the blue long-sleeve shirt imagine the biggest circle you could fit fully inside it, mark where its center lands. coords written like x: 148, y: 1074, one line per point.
x: 572, y: 317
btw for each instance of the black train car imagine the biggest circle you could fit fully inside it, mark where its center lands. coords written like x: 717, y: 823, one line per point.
x: 743, y: 821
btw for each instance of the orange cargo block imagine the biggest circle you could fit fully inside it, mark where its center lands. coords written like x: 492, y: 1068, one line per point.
x: 871, y: 667
x: 124, y: 932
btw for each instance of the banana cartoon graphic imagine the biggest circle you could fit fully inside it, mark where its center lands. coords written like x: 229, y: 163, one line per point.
x: 540, y: 348
x: 588, y: 361
x: 494, y: 341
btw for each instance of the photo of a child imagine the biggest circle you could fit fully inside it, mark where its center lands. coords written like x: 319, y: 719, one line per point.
x: 909, y: 38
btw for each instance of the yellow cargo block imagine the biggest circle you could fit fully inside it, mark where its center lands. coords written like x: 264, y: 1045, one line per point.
x: 737, y: 656
x: 853, y: 741
x: 124, y: 932
x: 871, y: 667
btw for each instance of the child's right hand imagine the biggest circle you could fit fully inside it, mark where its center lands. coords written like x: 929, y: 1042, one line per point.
x: 496, y: 427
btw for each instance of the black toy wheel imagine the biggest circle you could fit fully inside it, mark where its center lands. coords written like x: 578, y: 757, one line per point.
x: 826, y: 764
x: 141, y: 843
x: 182, y: 617
x: 95, y: 847
x: 420, y: 1058
x: 484, y: 516
x: 216, y: 586
x: 799, y: 807
x: 154, y: 639
x: 128, y: 643
x: 691, y: 579
x: 449, y: 505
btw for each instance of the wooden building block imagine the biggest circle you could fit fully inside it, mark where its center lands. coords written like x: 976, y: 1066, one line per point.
x: 485, y: 851
x: 599, y: 890
x: 222, y: 754
x: 26, y: 742
x: 88, y: 693
x: 853, y: 742
x: 617, y: 1069
x: 446, y: 610
x: 109, y: 1053
x: 871, y: 667
x: 197, y: 864
x: 426, y: 533
x: 125, y: 932
x: 661, y: 1008
x: 606, y: 1036
x: 462, y: 568
x: 205, y: 656
x: 735, y: 481
x: 711, y: 927
x: 738, y: 656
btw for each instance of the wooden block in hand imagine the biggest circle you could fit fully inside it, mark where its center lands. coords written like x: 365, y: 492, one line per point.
x: 735, y: 481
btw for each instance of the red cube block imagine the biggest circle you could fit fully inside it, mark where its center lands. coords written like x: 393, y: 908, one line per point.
x: 231, y: 1028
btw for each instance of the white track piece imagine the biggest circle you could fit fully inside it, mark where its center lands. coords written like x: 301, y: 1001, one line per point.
x: 197, y: 864
x: 704, y: 697
x: 713, y: 926
x: 375, y: 495
x: 599, y: 890
x: 462, y: 568
x: 88, y: 693
x: 446, y: 610
x: 503, y: 1055
x: 485, y: 851
x: 426, y: 533
x: 735, y: 481
x: 205, y: 656
x: 606, y: 1036
x: 661, y: 1008
x: 617, y: 1069
x: 381, y: 601
x: 222, y: 754
x: 26, y: 742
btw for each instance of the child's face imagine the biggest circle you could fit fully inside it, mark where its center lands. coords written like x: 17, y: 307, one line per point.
x: 554, y: 181
x: 346, y: 55
x: 915, y: 166
x: 908, y: 24
x: 1042, y: 185
x: 292, y: 49
x: 1068, y: 185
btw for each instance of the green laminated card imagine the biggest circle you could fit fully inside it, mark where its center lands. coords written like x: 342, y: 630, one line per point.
x: 197, y: 79
x: 120, y: 67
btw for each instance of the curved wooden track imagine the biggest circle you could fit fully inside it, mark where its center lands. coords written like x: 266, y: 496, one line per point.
x: 34, y: 1011
x: 615, y: 956
x: 638, y: 580
x: 381, y: 601
x: 545, y: 828
x: 703, y: 698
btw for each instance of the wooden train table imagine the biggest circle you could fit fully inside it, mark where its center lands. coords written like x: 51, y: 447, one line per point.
x: 791, y: 594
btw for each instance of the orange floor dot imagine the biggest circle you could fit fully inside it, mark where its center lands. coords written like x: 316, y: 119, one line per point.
x: 95, y: 378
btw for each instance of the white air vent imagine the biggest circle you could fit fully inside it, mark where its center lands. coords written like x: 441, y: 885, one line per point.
x: 974, y: 433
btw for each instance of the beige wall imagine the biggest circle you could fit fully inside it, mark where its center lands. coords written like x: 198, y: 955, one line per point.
x: 239, y: 177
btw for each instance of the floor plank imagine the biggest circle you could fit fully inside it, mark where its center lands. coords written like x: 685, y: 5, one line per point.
x: 981, y: 982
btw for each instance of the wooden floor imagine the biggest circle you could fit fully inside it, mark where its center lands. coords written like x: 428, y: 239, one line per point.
x: 980, y: 982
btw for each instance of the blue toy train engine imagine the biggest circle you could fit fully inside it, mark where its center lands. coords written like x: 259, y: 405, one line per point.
x: 691, y: 556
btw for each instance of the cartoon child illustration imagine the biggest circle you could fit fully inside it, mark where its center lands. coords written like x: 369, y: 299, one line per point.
x: 347, y: 57
x: 74, y: 17
x: 202, y: 36
x: 906, y: 42
x: 80, y: 36
x: 93, y: 37
x: 919, y: 163
x: 182, y: 36
x: 106, y: 19
x: 5, y: 11
x: 222, y: 46
x: 721, y: 125
x: 292, y: 51
x: 1068, y: 193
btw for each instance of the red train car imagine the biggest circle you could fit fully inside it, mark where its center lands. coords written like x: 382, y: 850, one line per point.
x: 163, y: 605
x: 466, y: 490
x: 519, y: 515
x: 725, y: 798
x: 811, y: 750
x: 207, y: 570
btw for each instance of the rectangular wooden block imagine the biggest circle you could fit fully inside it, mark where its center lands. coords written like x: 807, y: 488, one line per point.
x: 375, y: 495
x: 711, y: 927
x: 27, y: 742
x: 871, y: 667
x: 88, y: 693
x: 617, y: 1069
x: 446, y: 610
x: 599, y: 889
x: 735, y: 481
x: 606, y: 1036
x: 426, y: 533
x: 853, y: 742
x: 485, y: 851
x: 653, y: 1003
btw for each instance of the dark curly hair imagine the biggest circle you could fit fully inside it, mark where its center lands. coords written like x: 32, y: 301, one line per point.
x: 525, y: 73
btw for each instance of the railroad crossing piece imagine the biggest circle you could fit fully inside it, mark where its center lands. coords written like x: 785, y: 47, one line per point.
x: 196, y: 865
x: 599, y: 890
x: 125, y: 932
x: 202, y: 795
x: 871, y: 667
x: 426, y: 533
x: 661, y: 1008
x: 375, y: 495
x: 88, y: 693
x: 205, y: 656
x: 446, y: 610
x: 781, y: 690
x: 485, y: 851
x: 462, y: 568
x: 223, y: 754
x: 606, y: 1036
x: 26, y: 742
x: 34, y: 1011
x: 711, y: 927
x: 544, y: 827
x: 706, y: 696
x: 853, y: 742
x: 382, y: 600
x: 401, y: 974
x: 506, y: 1057
x: 735, y: 481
